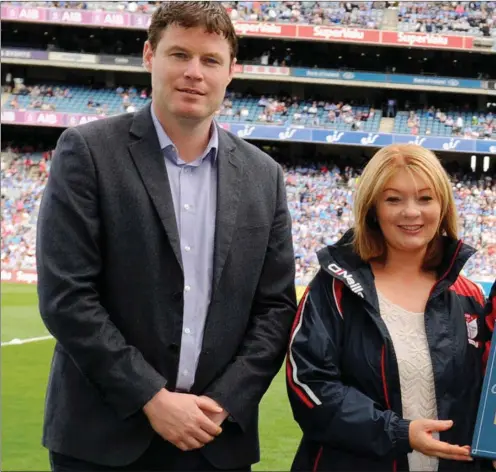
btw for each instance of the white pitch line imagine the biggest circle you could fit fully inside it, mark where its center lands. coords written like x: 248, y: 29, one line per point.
x: 15, y: 342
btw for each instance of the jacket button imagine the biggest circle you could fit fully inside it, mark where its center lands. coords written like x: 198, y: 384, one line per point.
x: 174, y: 347
x: 177, y: 296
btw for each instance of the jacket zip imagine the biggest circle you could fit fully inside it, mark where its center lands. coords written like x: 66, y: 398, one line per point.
x: 383, y: 353
x: 452, y: 263
x: 385, y: 387
x: 317, y: 459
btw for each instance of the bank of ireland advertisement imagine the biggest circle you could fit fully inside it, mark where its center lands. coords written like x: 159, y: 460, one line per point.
x: 17, y: 53
x: 484, y: 441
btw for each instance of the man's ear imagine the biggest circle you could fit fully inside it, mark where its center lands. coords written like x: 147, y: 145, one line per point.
x: 147, y: 56
x: 232, y: 68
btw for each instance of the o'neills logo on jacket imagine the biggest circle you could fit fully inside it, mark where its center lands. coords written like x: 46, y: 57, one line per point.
x: 354, y: 286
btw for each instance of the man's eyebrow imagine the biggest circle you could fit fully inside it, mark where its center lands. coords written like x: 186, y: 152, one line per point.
x: 176, y: 47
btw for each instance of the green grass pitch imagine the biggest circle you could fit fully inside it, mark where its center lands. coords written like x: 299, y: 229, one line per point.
x: 24, y: 378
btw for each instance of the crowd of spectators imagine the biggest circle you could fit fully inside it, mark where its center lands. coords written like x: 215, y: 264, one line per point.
x: 268, y: 109
x: 463, y: 124
x: 480, y: 125
x: 356, y: 14
x: 37, y: 95
x: 57, y: 98
x: 23, y: 180
x: 320, y: 199
x: 474, y: 18
x: 316, y: 113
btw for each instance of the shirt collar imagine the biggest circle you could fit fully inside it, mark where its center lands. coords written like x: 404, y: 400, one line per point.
x: 166, y: 143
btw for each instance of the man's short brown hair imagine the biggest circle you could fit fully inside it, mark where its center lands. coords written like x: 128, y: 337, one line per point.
x: 212, y: 16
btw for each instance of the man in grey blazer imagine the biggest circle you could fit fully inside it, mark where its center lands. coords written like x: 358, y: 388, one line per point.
x: 166, y: 270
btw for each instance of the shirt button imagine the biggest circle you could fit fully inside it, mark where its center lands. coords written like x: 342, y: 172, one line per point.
x: 187, y: 288
x: 187, y: 330
x: 187, y: 206
x: 187, y: 248
x: 185, y: 372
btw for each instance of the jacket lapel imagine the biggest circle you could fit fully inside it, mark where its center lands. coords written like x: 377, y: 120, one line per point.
x: 149, y: 160
x: 230, y: 171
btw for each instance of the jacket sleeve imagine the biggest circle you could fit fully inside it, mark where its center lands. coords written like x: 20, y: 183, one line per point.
x: 328, y: 411
x: 241, y: 387
x: 70, y: 264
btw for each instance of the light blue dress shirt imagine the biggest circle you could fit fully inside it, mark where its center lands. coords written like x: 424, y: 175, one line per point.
x: 194, y: 193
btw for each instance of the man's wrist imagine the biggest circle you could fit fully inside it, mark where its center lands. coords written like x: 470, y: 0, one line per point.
x: 149, y: 406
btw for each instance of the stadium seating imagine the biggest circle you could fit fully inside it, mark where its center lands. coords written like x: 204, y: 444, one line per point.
x: 430, y: 125
x: 113, y: 103
x: 249, y: 109
x: 78, y: 103
x: 447, y: 17
x: 319, y: 197
x: 460, y: 18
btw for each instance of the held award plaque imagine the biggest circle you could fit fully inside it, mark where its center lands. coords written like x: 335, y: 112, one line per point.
x: 484, y: 441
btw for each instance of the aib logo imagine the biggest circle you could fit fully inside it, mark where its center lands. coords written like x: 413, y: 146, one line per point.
x: 370, y: 139
x: 418, y: 140
x: 451, y: 145
x: 334, y: 137
x: 244, y: 133
x: 287, y: 134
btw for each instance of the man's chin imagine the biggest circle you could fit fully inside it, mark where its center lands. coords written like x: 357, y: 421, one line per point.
x: 192, y: 115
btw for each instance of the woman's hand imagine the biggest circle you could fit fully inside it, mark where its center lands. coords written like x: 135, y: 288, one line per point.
x: 420, y: 436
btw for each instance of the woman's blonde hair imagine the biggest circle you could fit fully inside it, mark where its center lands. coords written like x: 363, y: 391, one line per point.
x: 368, y: 240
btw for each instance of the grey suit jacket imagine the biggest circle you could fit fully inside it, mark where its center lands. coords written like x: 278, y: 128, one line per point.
x: 111, y: 290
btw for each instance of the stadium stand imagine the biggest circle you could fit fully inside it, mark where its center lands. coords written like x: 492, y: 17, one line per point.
x: 464, y: 18
x: 320, y: 195
x: 268, y: 110
x: 398, y: 71
x: 320, y: 198
x: 236, y: 108
x: 467, y: 124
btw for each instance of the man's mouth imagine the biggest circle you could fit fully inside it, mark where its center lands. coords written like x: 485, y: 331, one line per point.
x: 191, y: 91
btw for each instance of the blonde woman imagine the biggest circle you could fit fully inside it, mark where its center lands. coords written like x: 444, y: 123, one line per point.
x: 385, y: 363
